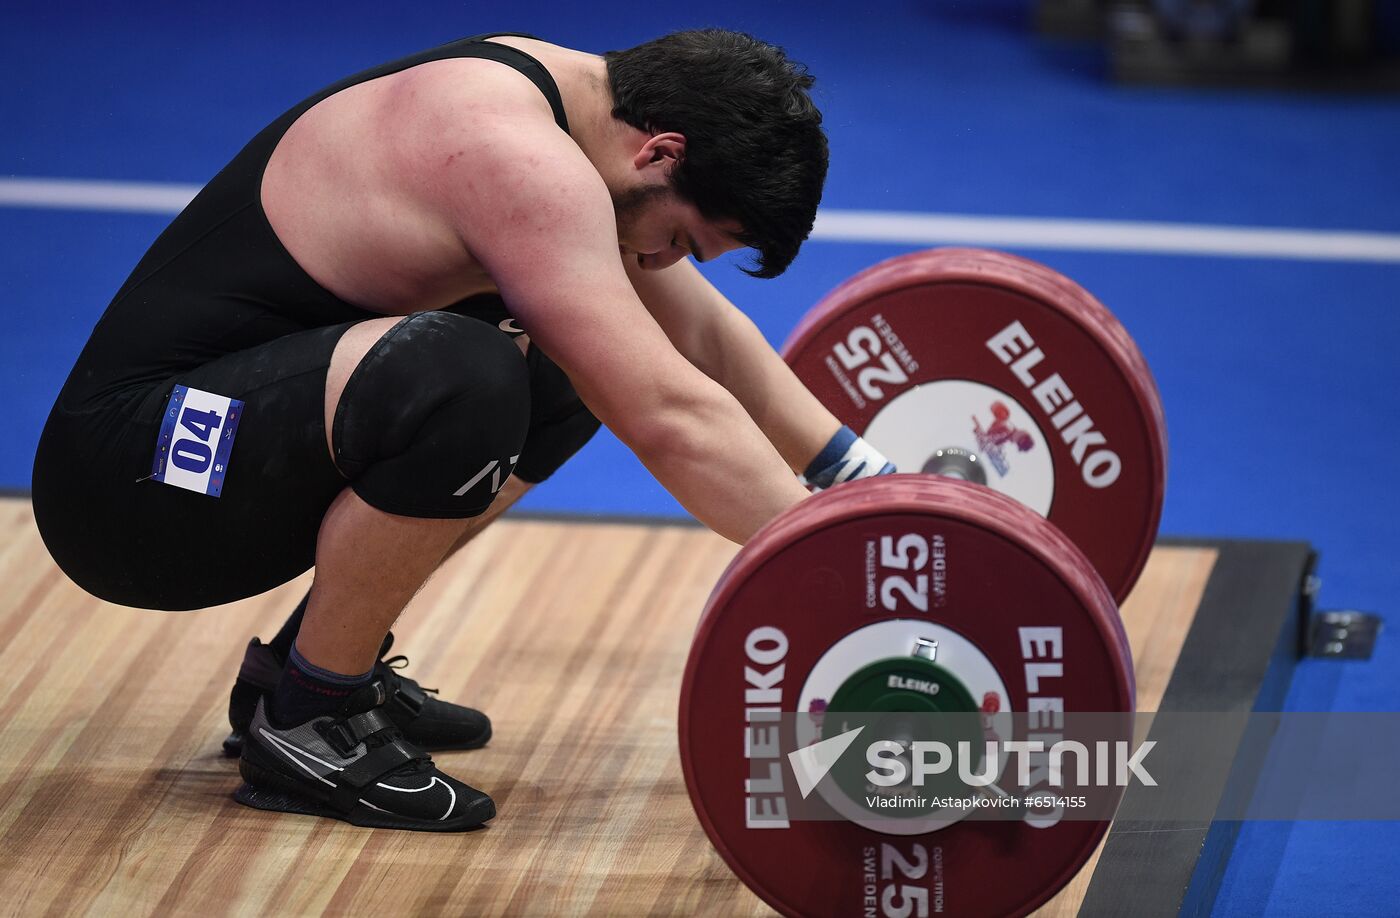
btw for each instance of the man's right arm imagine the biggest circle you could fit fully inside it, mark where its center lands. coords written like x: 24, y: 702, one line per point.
x: 539, y: 218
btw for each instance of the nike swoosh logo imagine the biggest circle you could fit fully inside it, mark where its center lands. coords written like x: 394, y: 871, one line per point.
x: 451, y: 794
x: 298, y: 756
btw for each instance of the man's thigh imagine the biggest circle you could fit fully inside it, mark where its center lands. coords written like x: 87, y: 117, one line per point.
x: 132, y: 540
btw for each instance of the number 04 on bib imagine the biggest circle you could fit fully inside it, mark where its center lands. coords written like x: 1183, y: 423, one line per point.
x: 196, y: 437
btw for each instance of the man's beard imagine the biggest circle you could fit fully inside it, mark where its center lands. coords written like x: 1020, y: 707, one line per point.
x: 632, y: 204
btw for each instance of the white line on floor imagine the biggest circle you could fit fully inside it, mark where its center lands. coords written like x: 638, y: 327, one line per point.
x: 891, y: 227
x: 81, y: 194
x: 1105, y: 236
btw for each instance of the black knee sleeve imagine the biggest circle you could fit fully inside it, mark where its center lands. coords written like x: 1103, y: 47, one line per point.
x: 559, y: 423
x: 434, y: 417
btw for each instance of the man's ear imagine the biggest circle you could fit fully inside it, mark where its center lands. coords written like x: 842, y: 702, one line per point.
x: 663, y: 150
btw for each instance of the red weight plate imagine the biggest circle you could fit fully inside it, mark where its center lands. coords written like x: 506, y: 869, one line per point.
x: 1002, y: 358
x: 815, y: 575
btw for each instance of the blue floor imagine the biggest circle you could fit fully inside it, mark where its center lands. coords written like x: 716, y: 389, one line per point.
x: 1280, y: 378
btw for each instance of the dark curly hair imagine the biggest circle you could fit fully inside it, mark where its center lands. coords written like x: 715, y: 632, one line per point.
x: 755, y: 152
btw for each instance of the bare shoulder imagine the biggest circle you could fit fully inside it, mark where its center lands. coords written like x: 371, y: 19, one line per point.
x: 469, y: 87
x: 483, y: 145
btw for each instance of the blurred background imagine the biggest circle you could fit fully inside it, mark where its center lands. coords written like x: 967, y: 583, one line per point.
x: 1229, y: 171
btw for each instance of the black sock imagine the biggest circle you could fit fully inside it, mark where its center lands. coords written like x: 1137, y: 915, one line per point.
x: 281, y: 644
x: 306, y: 691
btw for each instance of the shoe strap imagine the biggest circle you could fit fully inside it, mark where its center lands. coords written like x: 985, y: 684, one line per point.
x: 359, y: 727
x: 409, y: 695
x: 370, y: 767
x: 345, y: 735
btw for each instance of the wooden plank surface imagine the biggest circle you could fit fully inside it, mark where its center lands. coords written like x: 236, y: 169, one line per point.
x: 115, y: 799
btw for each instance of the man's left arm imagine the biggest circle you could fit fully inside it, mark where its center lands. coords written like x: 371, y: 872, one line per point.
x: 723, y: 343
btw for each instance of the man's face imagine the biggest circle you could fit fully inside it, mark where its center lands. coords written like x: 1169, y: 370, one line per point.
x: 657, y: 228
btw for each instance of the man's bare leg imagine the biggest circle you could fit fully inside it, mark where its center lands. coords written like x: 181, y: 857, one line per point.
x: 368, y: 566
x: 510, y: 492
x: 330, y: 643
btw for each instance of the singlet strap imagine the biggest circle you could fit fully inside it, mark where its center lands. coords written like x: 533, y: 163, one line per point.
x: 533, y: 70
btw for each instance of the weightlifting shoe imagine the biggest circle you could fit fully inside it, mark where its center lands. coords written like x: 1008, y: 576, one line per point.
x: 427, y: 722
x: 356, y: 766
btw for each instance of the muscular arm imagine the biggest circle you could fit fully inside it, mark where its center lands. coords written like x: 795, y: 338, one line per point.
x: 723, y: 342
x: 532, y: 210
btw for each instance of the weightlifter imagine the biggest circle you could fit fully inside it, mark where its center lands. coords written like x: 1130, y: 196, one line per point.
x: 404, y: 302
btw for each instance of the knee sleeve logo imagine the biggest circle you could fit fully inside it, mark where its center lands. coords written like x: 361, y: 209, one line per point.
x: 196, y: 437
x: 492, y: 468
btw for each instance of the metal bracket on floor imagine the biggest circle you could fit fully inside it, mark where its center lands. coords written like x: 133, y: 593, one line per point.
x: 1343, y: 634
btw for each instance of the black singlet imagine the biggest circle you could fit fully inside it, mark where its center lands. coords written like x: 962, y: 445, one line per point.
x: 250, y: 290
x: 218, y: 304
